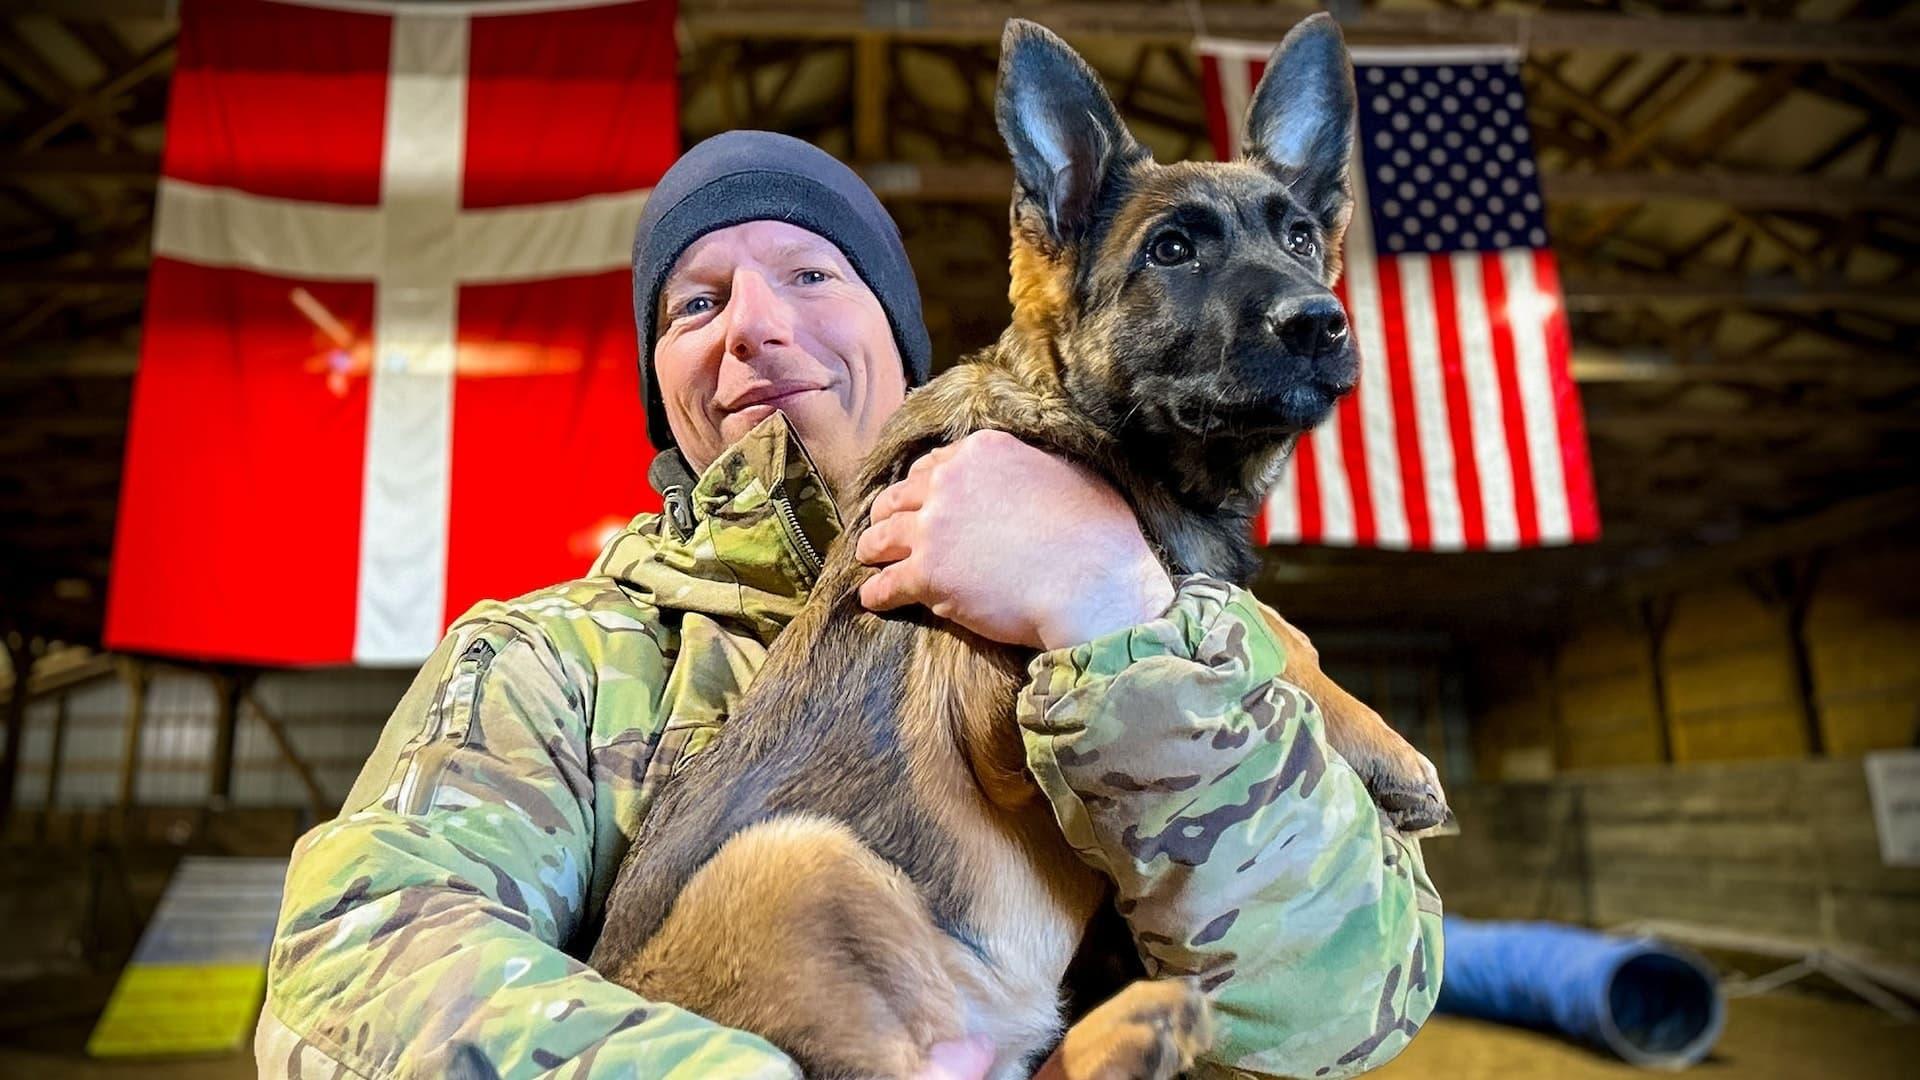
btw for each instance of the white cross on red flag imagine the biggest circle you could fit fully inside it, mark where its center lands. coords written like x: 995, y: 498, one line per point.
x: 1465, y: 430
x: 388, y: 365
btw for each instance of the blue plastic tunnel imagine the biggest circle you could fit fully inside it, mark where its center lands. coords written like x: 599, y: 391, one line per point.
x: 1650, y: 1003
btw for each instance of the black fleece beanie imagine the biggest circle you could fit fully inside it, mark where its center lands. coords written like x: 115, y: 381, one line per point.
x: 743, y: 176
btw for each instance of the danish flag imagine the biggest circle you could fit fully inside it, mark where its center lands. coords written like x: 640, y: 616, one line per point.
x: 388, y: 365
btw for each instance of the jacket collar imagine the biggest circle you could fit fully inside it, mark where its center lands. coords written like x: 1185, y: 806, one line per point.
x: 744, y: 541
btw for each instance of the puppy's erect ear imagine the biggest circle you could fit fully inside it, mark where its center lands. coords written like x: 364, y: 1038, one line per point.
x: 1301, y: 121
x: 1060, y: 126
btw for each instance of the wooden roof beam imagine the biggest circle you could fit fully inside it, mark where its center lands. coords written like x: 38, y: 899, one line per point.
x: 1596, y: 293
x: 67, y: 104
x: 1761, y: 191
x: 36, y: 277
x: 1859, y: 41
x: 94, y: 103
x: 89, y: 360
x: 1776, y: 423
x: 1866, y: 41
x: 1838, y: 523
x: 79, y: 164
x: 1595, y: 365
x: 992, y: 181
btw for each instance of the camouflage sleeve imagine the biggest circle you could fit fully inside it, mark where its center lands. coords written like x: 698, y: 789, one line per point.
x: 1244, y: 851
x: 421, y: 931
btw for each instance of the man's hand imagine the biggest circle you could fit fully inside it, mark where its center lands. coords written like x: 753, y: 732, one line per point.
x: 1013, y: 544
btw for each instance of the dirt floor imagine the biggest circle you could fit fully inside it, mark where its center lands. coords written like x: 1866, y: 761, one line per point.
x: 1770, y: 1038
x: 1776, y: 1037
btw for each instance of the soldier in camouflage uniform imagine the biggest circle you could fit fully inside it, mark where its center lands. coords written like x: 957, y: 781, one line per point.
x: 435, y: 927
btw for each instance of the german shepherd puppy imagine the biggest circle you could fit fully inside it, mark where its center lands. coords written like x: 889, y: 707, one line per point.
x: 860, y: 865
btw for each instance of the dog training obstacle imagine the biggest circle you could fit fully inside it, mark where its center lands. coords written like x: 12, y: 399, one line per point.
x: 1647, y: 1002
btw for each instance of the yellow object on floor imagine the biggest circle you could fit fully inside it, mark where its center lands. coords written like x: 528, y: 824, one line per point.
x: 179, y: 1009
x: 195, y: 983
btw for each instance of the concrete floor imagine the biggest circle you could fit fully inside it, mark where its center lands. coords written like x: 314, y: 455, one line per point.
x: 1771, y: 1038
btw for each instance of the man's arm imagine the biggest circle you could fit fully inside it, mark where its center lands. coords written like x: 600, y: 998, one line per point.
x: 422, y: 929
x: 1181, y: 766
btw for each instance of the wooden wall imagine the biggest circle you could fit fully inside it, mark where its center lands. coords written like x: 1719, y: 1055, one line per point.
x: 1727, y: 686
x: 1780, y: 848
x: 332, y: 718
x: 1863, y: 633
x: 1730, y: 686
x: 1603, y: 682
x: 1614, y: 787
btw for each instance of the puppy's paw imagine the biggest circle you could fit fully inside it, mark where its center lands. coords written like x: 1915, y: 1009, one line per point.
x: 1152, y: 1030
x: 1403, y: 783
x: 1406, y: 788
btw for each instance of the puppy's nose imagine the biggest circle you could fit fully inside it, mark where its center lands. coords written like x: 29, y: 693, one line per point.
x: 1310, y: 328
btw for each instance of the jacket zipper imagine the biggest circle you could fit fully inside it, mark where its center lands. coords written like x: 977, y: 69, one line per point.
x: 679, y: 514
x: 453, y: 720
x: 809, y: 555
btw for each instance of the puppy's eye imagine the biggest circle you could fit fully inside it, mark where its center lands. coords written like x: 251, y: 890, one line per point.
x: 1300, y: 240
x: 1170, y: 249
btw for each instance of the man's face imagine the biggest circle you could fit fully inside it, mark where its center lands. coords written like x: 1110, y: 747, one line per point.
x: 764, y: 317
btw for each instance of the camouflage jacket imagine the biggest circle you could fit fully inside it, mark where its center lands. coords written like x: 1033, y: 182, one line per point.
x: 435, y: 928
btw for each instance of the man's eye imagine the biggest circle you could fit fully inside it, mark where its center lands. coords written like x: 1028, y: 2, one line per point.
x: 1170, y: 249
x: 697, y: 305
x: 811, y: 277
x: 1300, y: 241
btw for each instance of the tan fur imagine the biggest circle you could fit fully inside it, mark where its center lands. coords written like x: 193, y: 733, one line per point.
x: 1152, y: 1030
x: 1041, y: 290
x: 830, y: 951
x: 968, y: 702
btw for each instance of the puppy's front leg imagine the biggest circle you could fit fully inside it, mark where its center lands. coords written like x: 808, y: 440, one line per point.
x: 1402, y: 781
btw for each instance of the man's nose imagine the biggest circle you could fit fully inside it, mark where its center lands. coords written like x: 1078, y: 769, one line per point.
x: 1310, y: 327
x: 758, y: 318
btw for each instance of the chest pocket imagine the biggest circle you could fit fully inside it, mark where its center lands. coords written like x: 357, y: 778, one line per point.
x: 450, y: 724
x: 709, y: 678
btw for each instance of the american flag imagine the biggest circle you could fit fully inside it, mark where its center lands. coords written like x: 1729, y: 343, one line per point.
x: 1465, y: 431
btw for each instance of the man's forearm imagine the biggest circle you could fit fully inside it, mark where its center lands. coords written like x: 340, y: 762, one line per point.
x: 1242, y: 852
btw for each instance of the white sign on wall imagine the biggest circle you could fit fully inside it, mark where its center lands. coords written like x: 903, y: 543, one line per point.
x: 1893, y: 781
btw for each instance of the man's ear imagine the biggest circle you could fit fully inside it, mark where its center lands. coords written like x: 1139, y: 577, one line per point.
x: 1060, y: 126
x: 1300, y: 124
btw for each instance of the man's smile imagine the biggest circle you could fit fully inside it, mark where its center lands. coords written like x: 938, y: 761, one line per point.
x: 759, y: 402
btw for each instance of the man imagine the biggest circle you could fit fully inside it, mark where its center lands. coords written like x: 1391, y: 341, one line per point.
x: 433, y: 927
